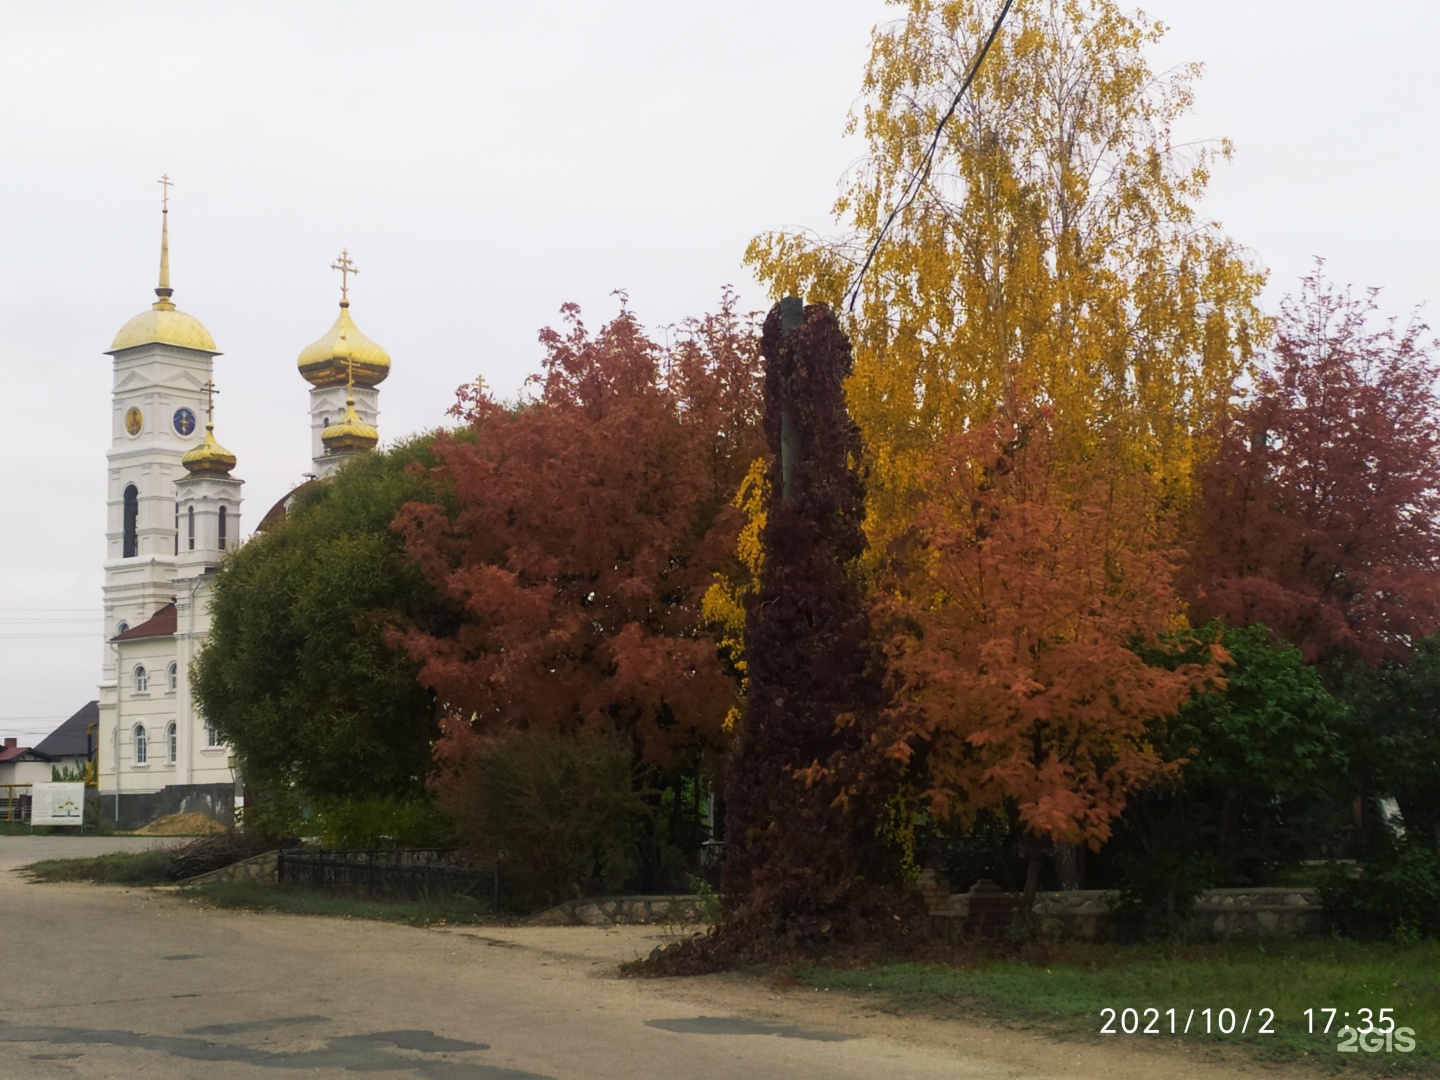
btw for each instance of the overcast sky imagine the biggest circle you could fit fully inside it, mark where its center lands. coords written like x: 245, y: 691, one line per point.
x: 485, y: 163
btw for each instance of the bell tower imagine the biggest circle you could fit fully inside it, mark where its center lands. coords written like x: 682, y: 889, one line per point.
x: 163, y: 359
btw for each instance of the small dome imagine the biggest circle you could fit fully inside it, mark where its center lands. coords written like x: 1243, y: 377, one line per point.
x: 350, y: 432
x: 323, y: 363
x: 209, y: 458
x: 165, y: 325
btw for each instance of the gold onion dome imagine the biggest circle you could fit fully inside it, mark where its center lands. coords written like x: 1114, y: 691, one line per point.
x: 350, y: 432
x: 209, y: 458
x: 324, y: 363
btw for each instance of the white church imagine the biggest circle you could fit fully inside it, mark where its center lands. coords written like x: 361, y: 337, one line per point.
x: 173, y: 504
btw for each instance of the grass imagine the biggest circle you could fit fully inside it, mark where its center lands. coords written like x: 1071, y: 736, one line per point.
x: 153, y: 867
x: 1067, y: 986
x: 16, y: 828
x: 156, y: 867
x: 261, y: 896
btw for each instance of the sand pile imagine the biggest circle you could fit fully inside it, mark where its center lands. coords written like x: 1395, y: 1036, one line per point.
x: 192, y: 824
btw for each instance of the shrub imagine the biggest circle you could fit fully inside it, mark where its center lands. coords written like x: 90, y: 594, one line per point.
x: 377, y: 823
x: 1396, y: 894
x: 560, y: 813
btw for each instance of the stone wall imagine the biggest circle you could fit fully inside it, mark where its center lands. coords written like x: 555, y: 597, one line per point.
x: 624, y: 910
x: 259, y: 868
x: 1084, y: 914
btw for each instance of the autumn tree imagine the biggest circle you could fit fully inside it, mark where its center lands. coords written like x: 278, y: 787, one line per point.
x: 1321, y: 512
x: 297, y: 674
x: 583, y: 530
x: 803, y: 790
x: 1016, y: 630
x: 1055, y: 251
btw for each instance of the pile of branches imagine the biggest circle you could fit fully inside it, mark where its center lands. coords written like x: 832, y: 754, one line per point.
x: 207, y: 853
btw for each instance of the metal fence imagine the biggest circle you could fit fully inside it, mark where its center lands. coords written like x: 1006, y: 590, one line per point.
x: 389, y: 873
x: 15, y: 803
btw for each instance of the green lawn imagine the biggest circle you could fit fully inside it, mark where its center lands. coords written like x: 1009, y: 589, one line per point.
x: 152, y: 867
x: 260, y: 896
x: 1067, y: 987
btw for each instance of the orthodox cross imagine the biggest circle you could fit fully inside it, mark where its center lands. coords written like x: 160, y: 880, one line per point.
x: 165, y: 183
x: 346, y: 268
x: 210, y: 391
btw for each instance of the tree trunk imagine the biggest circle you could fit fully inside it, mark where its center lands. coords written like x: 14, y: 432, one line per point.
x: 1067, y: 866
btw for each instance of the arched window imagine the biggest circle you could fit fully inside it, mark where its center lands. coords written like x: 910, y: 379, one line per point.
x: 222, y: 528
x: 130, y: 545
x: 177, y: 526
x: 121, y: 627
x: 190, y: 513
x: 142, y: 750
x: 173, y: 672
x: 212, y: 737
x: 142, y: 679
x: 171, y: 741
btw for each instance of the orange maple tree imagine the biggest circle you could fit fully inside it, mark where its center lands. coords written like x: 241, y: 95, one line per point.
x: 1015, y: 625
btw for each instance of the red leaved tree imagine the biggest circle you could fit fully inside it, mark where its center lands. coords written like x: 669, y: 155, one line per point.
x: 1321, y: 508
x: 802, y: 864
x: 582, y: 529
x: 1018, y: 687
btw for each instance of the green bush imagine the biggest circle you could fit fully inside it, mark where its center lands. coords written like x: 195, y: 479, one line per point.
x: 1396, y: 894
x: 377, y: 823
x: 559, y: 813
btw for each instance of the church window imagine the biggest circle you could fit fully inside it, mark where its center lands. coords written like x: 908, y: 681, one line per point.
x: 142, y: 749
x: 173, y: 671
x: 190, y: 513
x: 131, y: 544
x: 177, y: 526
x: 121, y: 627
x: 222, y: 528
x: 142, y: 679
x: 212, y: 737
x: 172, y: 742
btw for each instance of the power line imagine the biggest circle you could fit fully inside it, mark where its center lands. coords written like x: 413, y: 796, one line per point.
x: 918, y: 178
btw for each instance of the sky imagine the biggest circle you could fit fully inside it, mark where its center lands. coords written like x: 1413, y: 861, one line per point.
x: 485, y: 163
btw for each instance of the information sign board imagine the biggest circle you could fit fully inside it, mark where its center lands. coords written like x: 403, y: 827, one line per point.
x: 57, y: 804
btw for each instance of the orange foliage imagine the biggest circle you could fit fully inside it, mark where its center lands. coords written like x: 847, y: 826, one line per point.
x: 1015, y: 627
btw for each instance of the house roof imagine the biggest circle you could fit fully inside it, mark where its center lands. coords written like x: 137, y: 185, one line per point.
x: 70, y: 738
x: 161, y: 624
x: 21, y: 753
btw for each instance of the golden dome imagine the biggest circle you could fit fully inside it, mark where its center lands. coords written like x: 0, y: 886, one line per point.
x: 164, y: 325
x: 209, y: 458
x: 323, y: 363
x: 350, y: 432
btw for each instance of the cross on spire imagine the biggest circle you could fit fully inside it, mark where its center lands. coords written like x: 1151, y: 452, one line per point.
x: 210, y: 391
x: 346, y: 268
x: 165, y: 183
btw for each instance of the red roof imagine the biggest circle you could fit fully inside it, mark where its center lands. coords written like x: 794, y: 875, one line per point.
x: 161, y: 624
x: 278, y: 512
x: 10, y: 753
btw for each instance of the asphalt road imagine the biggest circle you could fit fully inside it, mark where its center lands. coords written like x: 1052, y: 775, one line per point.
x: 101, y: 982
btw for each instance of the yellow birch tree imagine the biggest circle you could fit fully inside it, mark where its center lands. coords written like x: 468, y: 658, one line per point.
x: 1054, y: 256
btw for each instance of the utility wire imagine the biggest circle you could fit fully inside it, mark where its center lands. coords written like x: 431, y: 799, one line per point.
x: 917, y: 179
